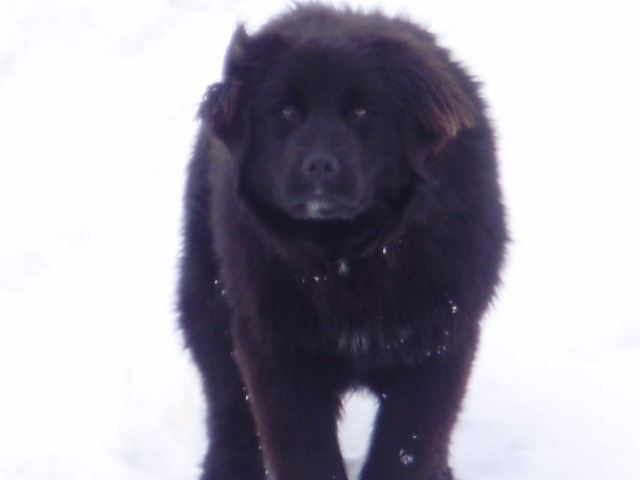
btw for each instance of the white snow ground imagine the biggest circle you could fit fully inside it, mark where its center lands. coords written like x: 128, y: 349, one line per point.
x: 97, y: 101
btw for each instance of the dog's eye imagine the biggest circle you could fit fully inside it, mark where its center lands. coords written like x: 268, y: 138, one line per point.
x: 290, y: 113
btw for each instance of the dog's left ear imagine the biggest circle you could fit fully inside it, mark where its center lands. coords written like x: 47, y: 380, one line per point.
x: 221, y: 110
x: 445, y: 107
x: 430, y: 87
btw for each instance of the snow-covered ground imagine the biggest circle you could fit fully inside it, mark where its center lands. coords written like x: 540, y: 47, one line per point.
x: 97, y: 104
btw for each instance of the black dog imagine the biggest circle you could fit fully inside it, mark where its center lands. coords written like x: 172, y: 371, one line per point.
x: 344, y: 229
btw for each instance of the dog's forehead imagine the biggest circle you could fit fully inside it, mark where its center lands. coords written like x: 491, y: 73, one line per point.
x: 326, y: 67
x: 321, y: 63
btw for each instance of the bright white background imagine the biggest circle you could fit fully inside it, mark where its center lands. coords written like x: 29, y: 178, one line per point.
x: 97, y: 105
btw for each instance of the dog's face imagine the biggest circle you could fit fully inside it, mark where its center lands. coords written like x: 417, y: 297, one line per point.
x: 325, y: 133
x: 324, y: 136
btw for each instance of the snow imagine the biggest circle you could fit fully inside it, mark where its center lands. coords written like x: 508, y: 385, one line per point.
x: 97, y: 105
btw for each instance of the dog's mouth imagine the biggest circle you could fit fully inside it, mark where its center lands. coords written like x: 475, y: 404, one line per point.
x: 329, y: 224
x: 322, y: 207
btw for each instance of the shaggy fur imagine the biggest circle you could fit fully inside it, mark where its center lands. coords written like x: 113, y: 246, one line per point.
x: 343, y: 229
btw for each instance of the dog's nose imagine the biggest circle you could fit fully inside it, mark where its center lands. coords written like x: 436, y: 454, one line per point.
x: 319, y: 167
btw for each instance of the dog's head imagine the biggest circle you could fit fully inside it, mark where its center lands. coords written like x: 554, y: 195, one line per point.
x: 334, y: 118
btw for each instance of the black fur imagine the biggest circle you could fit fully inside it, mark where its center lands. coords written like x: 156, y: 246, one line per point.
x: 343, y: 229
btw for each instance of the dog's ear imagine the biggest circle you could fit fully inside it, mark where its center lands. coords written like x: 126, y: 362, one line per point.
x: 433, y: 95
x: 219, y: 107
x: 224, y: 103
x: 444, y: 108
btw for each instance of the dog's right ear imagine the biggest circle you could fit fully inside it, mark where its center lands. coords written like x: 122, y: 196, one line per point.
x: 224, y: 103
x: 220, y: 106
